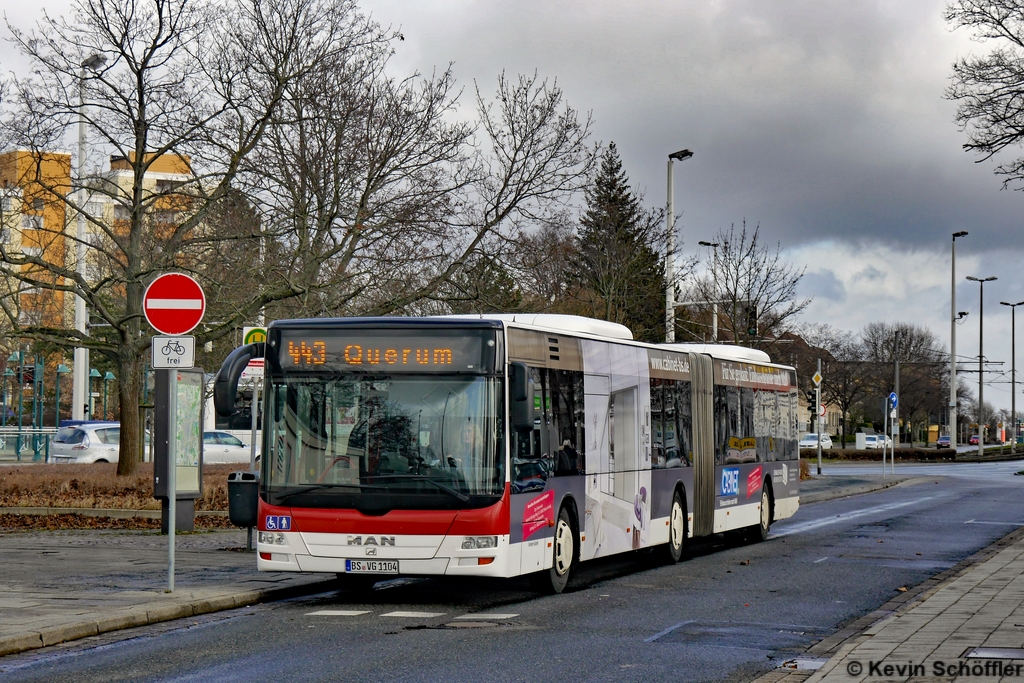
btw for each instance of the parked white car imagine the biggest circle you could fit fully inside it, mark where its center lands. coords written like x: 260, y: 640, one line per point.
x: 220, y: 448
x: 877, y: 441
x: 88, y: 442
x: 811, y: 441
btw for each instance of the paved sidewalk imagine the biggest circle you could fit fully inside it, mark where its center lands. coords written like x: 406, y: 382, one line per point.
x: 931, y: 632
x: 58, y: 586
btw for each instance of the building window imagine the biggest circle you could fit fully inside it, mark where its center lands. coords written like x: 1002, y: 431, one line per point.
x: 31, y: 222
x: 122, y: 213
x: 37, y: 204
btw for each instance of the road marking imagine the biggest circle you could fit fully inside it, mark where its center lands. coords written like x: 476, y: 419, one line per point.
x: 338, y: 613
x: 821, y: 560
x: 815, y: 524
x: 414, y: 615
x: 667, y: 631
x: 488, y: 616
x: 974, y: 521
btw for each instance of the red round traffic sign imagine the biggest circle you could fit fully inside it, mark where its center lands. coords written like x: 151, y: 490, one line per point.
x: 174, y: 303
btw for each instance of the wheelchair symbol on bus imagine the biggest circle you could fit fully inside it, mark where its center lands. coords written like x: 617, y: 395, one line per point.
x: 279, y: 523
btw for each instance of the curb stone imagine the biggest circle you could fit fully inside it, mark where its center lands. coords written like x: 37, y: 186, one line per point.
x: 146, y: 615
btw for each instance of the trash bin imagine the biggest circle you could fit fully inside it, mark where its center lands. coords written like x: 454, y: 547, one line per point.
x: 243, y: 498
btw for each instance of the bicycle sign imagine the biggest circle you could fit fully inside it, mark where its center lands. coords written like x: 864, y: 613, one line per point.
x: 174, y: 352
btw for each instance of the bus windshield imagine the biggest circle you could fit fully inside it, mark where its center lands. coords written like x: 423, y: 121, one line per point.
x: 383, y: 442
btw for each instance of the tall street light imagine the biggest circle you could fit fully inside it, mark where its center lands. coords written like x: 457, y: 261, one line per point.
x: 714, y: 284
x: 952, y: 347
x: 1013, y: 371
x: 981, y: 357
x: 79, y: 384
x: 670, y: 256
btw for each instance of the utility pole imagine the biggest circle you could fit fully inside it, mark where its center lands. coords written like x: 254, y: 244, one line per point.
x: 1013, y: 373
x: 953, y: 317
x: 670, y: 273
x: 981, y: 358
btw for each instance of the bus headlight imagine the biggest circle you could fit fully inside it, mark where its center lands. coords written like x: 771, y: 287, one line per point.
x: 479, y: 542
x: 271, y: 538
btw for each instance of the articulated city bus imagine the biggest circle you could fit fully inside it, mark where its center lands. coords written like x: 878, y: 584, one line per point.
x: 502, y: 445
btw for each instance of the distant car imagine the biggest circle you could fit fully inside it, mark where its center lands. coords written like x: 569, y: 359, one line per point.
x: 811, y: 441
x: 974, y: 440
x: 873, y: 441
x: 943, y: 442
x: 222, y: 448
x: 88, y: 442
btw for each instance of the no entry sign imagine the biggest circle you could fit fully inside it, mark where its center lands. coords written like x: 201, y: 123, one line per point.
x: 174, y: 304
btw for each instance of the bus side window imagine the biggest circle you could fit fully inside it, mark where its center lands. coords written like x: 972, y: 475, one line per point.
x: 659, y: 437
x: 564, y: 412
x: 683, y: 423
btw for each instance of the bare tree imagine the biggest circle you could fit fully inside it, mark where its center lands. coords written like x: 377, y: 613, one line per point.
x: 755, y: 287
x: 380, y: 199
x: 304, y: 173
x: 989, y: 87
x: 847, y: 375
x: 923, y: 368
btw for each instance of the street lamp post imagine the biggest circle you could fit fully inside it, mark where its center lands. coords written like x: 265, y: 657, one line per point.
x: 1013, y: 372
x: 981, y: 357
x: 952, y: 346
x: 670, y: 255
x: 714, y: 284
x: 81, y: 363
x: 19, y: 358
x: 61, y: 370
x: 106, y: 379
x: 93, y: 374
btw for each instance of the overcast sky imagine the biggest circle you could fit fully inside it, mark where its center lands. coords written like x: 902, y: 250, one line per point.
x: 824, y: 123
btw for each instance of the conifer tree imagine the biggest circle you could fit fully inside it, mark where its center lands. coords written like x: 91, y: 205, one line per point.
x: 617, y: 270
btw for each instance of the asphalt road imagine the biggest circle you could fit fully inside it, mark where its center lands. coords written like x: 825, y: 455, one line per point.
x: 729, y: 613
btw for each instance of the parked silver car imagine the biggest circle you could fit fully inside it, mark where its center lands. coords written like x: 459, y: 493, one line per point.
x: 86, y: 442
x: 221, y: 447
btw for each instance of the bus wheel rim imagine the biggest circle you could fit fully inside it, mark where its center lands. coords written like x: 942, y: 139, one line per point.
x: 764, y: 510
x: 677, y: 525
x: 563, y: 547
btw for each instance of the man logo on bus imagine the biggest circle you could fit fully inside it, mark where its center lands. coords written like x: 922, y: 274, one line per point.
x: 730, y: 481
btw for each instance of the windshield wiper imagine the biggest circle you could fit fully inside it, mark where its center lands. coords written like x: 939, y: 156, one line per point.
x: 420, y: 477
x: 316, y: 487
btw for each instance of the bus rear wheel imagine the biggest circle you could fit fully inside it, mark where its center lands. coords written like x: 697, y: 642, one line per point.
x: 760, y: 532
x: 563, y: 563
x: 676, y: 530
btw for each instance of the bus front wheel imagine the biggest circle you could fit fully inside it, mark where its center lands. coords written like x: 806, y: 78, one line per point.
x: 564, y: 550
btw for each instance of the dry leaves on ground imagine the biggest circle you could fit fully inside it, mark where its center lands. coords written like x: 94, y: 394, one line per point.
x: 98, y: 486
x: 63, y: 522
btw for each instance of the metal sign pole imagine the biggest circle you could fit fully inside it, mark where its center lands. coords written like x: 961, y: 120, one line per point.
x: 253, y: 409
x: 817, y: 417
x: 172, y: 462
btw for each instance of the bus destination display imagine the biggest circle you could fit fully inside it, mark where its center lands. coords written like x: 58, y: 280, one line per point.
x: 393, y: 351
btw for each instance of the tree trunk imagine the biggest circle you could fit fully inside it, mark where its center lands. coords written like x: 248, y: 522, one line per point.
x: 131, y: 366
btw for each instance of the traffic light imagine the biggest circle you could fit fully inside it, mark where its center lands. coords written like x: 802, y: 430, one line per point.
x: 751, y: 320
x: 812, y: 403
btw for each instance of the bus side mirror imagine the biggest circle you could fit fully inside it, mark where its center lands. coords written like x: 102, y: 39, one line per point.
x: 225, y: 386
x: 521, y: 392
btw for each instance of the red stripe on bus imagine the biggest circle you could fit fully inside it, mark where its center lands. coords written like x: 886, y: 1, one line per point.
x: 493, y: 519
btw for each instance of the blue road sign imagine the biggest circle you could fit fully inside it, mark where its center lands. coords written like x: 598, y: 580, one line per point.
x: 892, y: 399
